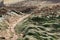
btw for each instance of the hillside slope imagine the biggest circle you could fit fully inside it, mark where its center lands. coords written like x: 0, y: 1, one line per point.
x: 30, y: 20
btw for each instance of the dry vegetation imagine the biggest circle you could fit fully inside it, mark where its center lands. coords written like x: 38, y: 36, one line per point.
x: 30, y: 20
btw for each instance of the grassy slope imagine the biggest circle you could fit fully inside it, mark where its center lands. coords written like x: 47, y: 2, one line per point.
x: 44, y: 27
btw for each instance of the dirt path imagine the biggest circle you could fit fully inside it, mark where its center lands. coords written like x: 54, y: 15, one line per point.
x: 13, y: 26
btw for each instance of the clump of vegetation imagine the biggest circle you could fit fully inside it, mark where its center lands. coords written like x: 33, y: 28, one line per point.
x: 3, y: 25
x: 45, y: 27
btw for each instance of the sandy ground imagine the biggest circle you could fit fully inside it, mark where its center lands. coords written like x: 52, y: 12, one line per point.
x: 12, y: 26
x: 7, y: 2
